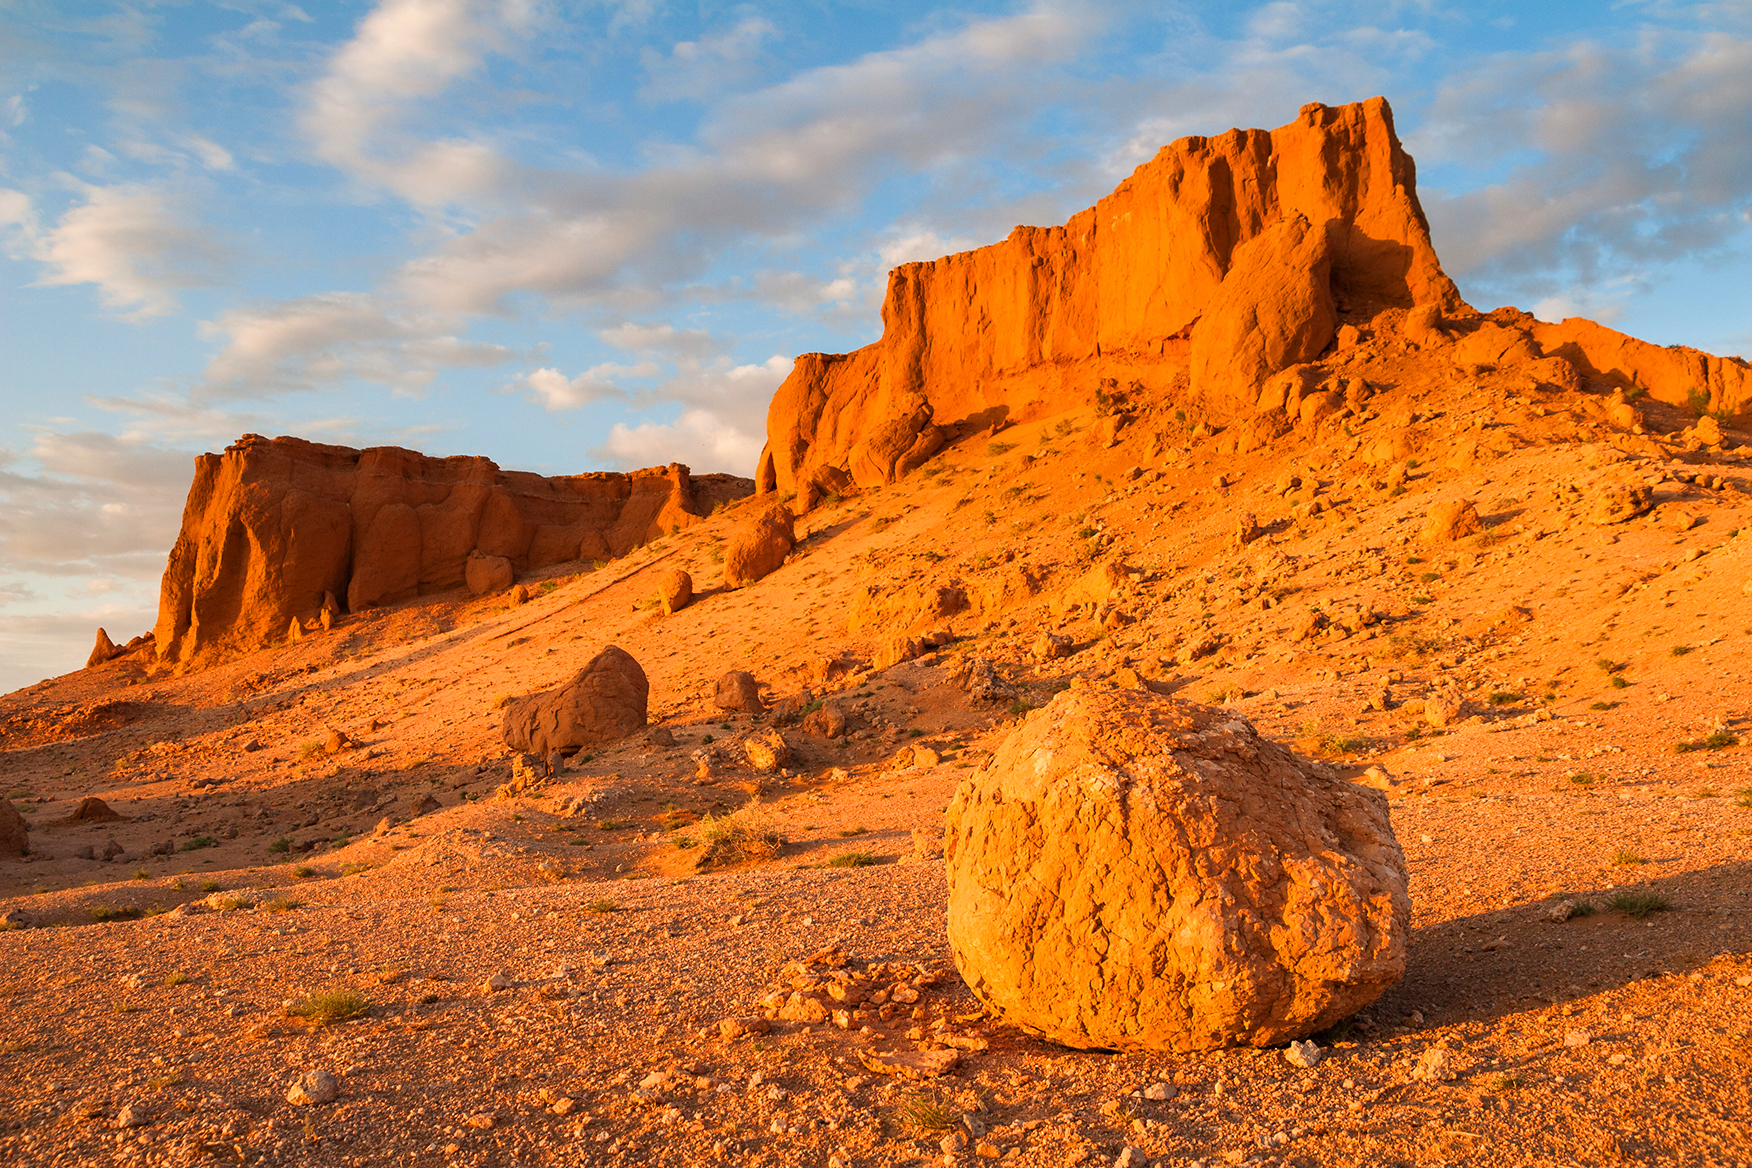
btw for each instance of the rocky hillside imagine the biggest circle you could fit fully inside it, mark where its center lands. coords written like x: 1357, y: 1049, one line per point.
x: 1428, y: 561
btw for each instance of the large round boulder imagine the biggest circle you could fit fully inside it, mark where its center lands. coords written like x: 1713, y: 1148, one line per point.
x: 484, y: 573
x: 1134, y: 872
x: 674, y: 591
x: 605, y: 700
x: 760, y: 547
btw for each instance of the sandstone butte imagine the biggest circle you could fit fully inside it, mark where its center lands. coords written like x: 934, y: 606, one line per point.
x: 272, y: 526
x: 1218, y: 263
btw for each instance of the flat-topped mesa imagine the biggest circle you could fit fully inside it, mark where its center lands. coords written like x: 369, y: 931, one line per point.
x: 272, y: 526
x: 1274, y: 229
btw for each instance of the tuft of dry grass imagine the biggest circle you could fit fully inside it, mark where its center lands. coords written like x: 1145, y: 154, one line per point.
x: 327, y: 1007
x: 746, y: 835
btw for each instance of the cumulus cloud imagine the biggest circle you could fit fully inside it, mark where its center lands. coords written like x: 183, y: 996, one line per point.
x: 555, y: 391
x: 1611, y: 160
x: 702, y: 439
x: 138, y: 244
x: 331, y: 338
x: 702, y: 68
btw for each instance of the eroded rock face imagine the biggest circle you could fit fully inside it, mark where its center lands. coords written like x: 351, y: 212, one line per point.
x: 1033, y: 324
x: 675, y: 591
x: 604, y: 701
x: 274, y: 525
x: 14, y: 832
x: 738, y: 690
x: 1136, y: 872
x: 1450, y: 520
x: 486, y: 574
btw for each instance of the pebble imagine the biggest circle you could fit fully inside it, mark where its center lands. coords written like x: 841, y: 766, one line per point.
x: 1577, y: 1038
x: 313, y: 1087
x: 1303, y: 1054
x: 499, y: 981
x: 1160, y: 1092
x: 133, y: 1115
x: 1130, y: 1157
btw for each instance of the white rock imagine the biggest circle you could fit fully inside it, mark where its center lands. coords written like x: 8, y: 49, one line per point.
x: 1303, y: 1054
x: 133, y: 1115
x: 314, y: 1087
x: 1130, y: 1157
x: 1160, y: 1092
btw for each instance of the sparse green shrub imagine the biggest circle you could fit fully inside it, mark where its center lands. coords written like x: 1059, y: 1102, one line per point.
x: 997, y: 449
x: 852, y: 860
x: 1640, y: 904
x: 281, y: 845
x: 197, y: 843
x: 106, y: 912
x: 1618, y: 682
x: 1625, y: 858
x: 328, y: 1007
x: 1504, y: 698
x: 602, y: 906
x: 1680, y: 650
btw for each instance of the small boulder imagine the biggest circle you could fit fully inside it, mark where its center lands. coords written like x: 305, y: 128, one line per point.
x: 426, y: 804
x: 737, y: 690
x: 14, y: 832
x: 485, y: 573
x: 102, y: 651
x: 1136, y: 872
x: 1423, y: 325
x: 827, y: 722
x: 1451, y: 520
x: 605, y: 700
x: 1618, y: 504
x: 1444, y: 707
x: 313, y: 1087
x: 1050, y: 645
x: 897, y: 650
x: 767, y: 751
x: 675, y: 591
x: 91, y: 809
x: 760, y: 547
x: 1707, y: 431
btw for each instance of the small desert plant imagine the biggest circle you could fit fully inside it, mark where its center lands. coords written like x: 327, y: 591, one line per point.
x: 142, y: 874
x: 1680, y: 650
x: 996, y: 449
x: 500, y: 701
x: 852, y: 860
x: 1506, y: 1082
x: 1625, y: 858
x: 609, y: 824
x: 1607, y: 665
x: 177, y: 978
x: 1603, y: 706
x: 1584, y: 908
x: 924, y: 1114
x: 1584, y: 778
x: 197, y: 843
x: 280, y: 904
x: 1743, y: 797
x: 1708, y: 793
x: 304, y: 871
x: 1640, y: 904
x: 309, y: 751
x: 232, y: 903
x: 1618, y: 682
x: 108, y: 912
x: 1504, y: 698
x: 746, y: 834
x: 327, y: 1007
x: 602, y: 906
x: 1718, y: 740
x: 1020, y: 707
x: 850, y: 831
x: 283, y: 844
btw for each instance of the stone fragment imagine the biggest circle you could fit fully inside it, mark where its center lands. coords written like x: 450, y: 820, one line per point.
x: 1707, y: 431
x: 730, y: 1029
x: 738, y: 690
x: 1051, y: 645
x: 313, y: 1087
x: 1435, y: 1065
x: 1560, y: 912
x: 759, y: 548
x: 1423, y: 325
x: 133, y: 1115
x: 484, y: 573
x: 1619, y: 503
x: 675, y: 591
x: 1451, y: 520
x: 1132, y: 871
x: 499, y: 982
x: 1304, y: 1054
x: 1130, y: 1157
x: 1444, y: 706
x: 910, y: 1064
x: 604, y: 701
x: 767, y: 751
x: 896, y: 650
x: 91, y: 809
x: 827, y: 722
x: 1160, y: 1092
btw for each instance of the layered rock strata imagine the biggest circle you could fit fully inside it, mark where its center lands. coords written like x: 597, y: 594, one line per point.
x: 273, y: 525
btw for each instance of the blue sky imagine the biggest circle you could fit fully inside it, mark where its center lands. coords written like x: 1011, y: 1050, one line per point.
x: 572, y: 236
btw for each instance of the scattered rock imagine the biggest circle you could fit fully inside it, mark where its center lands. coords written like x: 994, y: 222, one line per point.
x: 499, y: 982
x: 910, y: 1064
x: 603, y: 701
x: 767, y: 751
x: 1435, y: 1065
x: 1577, y: 1038
x: 1617, y: 504
x: 133, y: 1115
x: 760, y: 547
x: 896, y: 650
x: 313, y: 1087
x: 1130, y: 1157
x: 484, y: 573
x: 1160, y: 1092
x: 1107, y: 891
x: 339, y: 740
x: 1304, y: 1054
x: 91, y: 809
x: 737, y: 690
x: 661, y: 737
x: 426, y: 804
x: 827, y: 722
x: 675, y: 591
x: 1451, y: 520
x: 730, y: 1029
x: 1443, y: 707
x: 1050, y: 645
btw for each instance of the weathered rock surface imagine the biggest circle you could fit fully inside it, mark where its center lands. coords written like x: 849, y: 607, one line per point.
x: 759, y: 547
x: 485, y: 573
x: 1622, y: 502
x: 272, y: 525
x: 1138, y: 872
x: 675, y: 591
x: 102, y: 651
x: 1034, y: 324
x: 738, y: 690
x: 14, y: 832
x: 1450, y: 520
x: 605, y: 700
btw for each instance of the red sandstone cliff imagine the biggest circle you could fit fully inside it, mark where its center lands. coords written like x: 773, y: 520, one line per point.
x: 272, y: 525
x: 1217, y: 264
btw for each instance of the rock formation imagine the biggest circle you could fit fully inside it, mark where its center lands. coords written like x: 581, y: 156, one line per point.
x: 14, y: 831
x: 1217, y: 264
x: 739, y: 691
x: 1138, y: 872
x: 1035, y: 323
x: 605, y: 700
x: 272, y: 525
x: 675, y: 591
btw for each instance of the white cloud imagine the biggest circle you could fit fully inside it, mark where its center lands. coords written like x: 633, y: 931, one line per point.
x: 663, y: 338
x: 1613, y: 161
x: 702, y: 68
x: 138, y: 244
x: 332, y: 338
x: 555, y: 391
x: 700, y: 438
